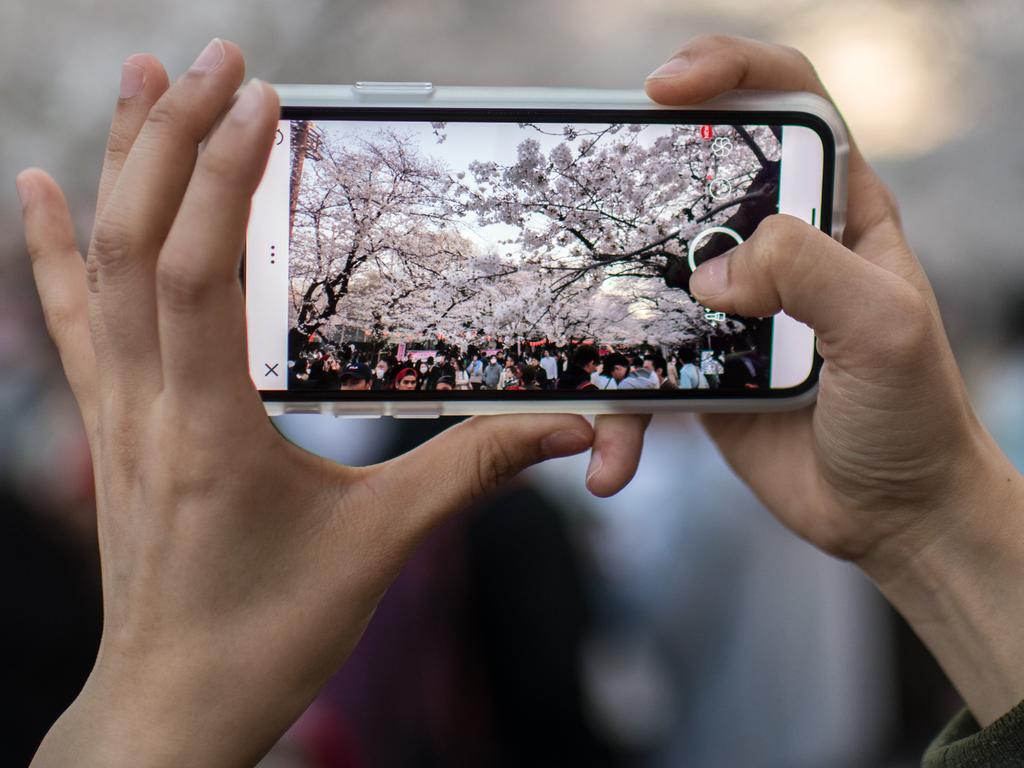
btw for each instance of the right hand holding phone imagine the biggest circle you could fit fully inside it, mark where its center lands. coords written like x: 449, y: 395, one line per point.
x: 892, y: 428
x: 890, y: 468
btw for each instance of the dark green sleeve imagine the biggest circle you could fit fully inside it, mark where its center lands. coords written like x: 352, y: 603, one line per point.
x: 964, y: 744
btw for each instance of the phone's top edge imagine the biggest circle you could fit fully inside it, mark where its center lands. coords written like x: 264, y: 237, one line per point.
x: 374, y: 94
x: 427, y: 96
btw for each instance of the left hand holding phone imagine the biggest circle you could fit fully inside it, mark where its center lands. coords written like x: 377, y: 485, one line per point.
x: 239, y: 571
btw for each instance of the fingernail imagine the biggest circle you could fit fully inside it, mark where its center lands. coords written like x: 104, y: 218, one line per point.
x: 670, y: 68
x: 711, y: 277
x: 133, y: 77
x: 596, y: 462
x: 24, y: 190
x: 249, y: 102
x: 210, y: 58
x: 564, y: 443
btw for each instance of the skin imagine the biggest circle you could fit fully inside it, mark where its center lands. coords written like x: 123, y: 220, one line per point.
x: 354, y: 384
x: 209, y: 569
x: 890, y: 468
x: 253, y: 551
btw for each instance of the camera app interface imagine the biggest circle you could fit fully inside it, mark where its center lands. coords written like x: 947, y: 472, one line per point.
x: 482, y: 257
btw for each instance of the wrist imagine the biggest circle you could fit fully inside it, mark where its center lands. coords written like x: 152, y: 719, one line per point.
x: 103, y: 730
x: 123, y: 723
x: 164, y: 713
x: 956, y: 578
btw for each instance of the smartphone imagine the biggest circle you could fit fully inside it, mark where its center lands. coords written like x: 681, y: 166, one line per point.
x: 417, y: 250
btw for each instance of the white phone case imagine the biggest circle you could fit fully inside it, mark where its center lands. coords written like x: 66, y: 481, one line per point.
x: 426, y: 95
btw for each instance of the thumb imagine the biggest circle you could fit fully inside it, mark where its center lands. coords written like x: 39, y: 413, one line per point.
x: 856, y: 308
x: 474, y: 457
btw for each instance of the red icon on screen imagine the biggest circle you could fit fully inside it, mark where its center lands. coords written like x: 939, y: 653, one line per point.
x: 707, y: 132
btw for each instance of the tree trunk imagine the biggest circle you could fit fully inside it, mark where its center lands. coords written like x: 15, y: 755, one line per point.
x: 300, y: 145
x: 748, y: 215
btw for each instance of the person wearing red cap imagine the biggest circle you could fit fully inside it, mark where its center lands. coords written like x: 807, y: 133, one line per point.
x: 406, y: 379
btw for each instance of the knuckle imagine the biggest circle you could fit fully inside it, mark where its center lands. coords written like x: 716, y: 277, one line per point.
x: 912, y: 323
x: 111, y: 245
x: 164, y: 116
x: 37, y: 250
x: 712, y: 41
x: 60, y: 317
x: 780, y: 239
x: 177, y: 117
x: 119, y: 142
x: 492, y: 463
x: 215, y: 166
x: 802, y: 62
x: 798, y: 57
x: 180, y: 286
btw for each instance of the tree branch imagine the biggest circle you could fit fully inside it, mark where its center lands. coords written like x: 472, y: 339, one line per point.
x: 749, y: 141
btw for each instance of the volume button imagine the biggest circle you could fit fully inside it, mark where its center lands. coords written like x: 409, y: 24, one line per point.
x: 375, y: 88
x: 413, y: 410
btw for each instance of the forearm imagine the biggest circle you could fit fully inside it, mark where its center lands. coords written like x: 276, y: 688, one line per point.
x: 959, y: 587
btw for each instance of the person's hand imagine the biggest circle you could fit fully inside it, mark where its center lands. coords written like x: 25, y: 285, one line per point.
x: 238, y: 570
x: 892, y: 427
x: 890, y: 468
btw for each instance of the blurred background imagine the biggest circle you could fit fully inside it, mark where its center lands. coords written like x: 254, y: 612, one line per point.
x: 675, y: 624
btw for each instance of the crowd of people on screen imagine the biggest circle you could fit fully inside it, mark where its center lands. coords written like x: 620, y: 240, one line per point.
x: 582, y: 367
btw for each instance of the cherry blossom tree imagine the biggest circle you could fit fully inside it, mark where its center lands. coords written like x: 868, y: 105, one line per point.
x: 605, y: 202
x: 367, y: 206
x: 386, y: 237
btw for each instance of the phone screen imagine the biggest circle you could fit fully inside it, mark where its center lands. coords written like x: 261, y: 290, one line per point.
x: 432, y: 254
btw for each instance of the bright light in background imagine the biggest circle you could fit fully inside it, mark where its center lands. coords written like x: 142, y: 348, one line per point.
x: 897, y: 70
x: 897, y: 73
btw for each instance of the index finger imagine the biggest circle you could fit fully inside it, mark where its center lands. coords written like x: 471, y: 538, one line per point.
x: 708, y: 66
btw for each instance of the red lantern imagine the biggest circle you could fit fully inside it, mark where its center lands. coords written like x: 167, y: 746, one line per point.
x: 707, y: 132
